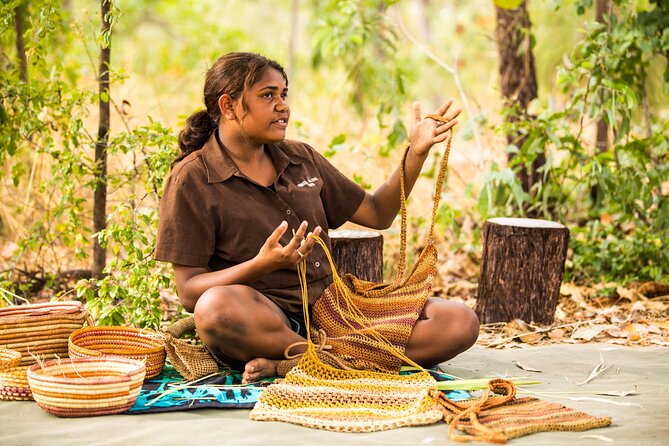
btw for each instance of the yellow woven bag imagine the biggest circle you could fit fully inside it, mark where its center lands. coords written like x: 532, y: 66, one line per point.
x: 368, y: 325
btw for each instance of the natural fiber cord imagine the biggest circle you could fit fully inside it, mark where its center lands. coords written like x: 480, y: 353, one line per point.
x: 368, y: 325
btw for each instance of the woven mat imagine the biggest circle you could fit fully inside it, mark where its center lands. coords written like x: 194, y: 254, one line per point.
x: 528, y: 415
x: 204, y: 394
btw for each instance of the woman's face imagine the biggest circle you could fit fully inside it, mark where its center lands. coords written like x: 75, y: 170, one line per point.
x: 266, y: 116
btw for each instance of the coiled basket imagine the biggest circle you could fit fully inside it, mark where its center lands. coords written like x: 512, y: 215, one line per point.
x: 82, y: 387
x: 125, y: 342
x: 13, y: 380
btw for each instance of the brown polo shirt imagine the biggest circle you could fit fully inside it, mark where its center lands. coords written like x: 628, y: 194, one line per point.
x: 213, y: 216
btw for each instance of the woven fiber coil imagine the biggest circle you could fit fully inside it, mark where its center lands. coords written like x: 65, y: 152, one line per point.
x: 363, y: 326
x: 499, y: 416
x: 13, y: 381
x: 80, y: 387
x: 315, y: 395
x: 191, y: 360
x: 41, y: 330
x: 124, y: 342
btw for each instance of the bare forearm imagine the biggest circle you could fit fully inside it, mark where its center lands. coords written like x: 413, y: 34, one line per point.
x: 193, y: 282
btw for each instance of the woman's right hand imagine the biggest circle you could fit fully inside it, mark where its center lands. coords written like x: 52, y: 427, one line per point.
x: 273, y: 256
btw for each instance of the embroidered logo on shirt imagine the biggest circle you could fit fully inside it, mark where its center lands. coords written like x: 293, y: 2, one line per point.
x: 311, y: 182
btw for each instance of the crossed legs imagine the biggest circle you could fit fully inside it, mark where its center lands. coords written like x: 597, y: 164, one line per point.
x: 240, y: 324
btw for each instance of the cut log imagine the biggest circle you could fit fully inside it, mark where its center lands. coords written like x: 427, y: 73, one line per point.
x: 521, y: 271
x: 359, y: 253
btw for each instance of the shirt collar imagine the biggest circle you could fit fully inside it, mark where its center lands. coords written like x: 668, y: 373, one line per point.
x: 220, y: 166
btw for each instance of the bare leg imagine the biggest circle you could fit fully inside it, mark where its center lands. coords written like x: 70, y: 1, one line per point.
x: 444, y: 330
x: 240, y: 323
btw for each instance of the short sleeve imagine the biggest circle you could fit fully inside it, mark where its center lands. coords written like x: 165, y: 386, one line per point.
x: 186, y: 228
x: 341, y: 196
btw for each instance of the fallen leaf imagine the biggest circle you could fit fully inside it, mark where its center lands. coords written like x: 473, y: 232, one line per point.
x: 633, y: 335
x: 587, y: 333
x: 531, y: 338
x: 617, y: 393
x: 557, y: 334
x: 630, y: 295
x: 595, y: 372
x: 616, y: 332
x: 597, y: 437
x: 526, y: 368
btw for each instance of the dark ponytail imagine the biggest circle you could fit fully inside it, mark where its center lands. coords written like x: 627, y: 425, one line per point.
x: 232, y: 74
x: 199, y: 127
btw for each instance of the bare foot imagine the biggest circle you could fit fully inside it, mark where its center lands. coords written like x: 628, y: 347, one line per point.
x: 258, y: 368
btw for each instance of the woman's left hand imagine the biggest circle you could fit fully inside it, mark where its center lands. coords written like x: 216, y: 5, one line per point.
x: 427, y: 132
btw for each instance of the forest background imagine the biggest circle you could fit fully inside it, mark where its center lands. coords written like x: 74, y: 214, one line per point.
x: 566, y: 117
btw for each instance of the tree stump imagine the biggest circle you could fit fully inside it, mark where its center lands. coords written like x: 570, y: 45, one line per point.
x: 521, y: 272
x: 359, y: 253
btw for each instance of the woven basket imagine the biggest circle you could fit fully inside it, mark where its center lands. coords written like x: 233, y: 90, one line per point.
x: 85, y: 387
x: 13, y: 381
x: 41, y: 330
x: 191, y: 360
x: 125, y: 342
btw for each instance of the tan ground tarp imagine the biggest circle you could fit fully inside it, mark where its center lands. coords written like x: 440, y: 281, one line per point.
x: 642, y: 420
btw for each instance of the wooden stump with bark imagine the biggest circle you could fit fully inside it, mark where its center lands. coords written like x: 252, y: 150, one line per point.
x: 359, y: 253
x: 521, y: 272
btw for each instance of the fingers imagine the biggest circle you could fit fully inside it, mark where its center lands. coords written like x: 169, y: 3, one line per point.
x: 276, y: 235
x: 441, y: 111
x: 307, y: 244
x: 298, y: 237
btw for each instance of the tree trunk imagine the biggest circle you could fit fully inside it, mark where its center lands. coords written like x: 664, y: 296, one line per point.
x: 521, y: 272
x: 100, y: 194
x: 292, y: 43
x: 602, y: 140
x: 20, y: 47
x: 424, y: 19
x: 518, y: 79
x: 359, y: 253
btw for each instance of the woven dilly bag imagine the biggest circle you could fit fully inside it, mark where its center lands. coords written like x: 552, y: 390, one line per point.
x: 190, y: 358
x: 318, y: 395
x: 41, y: 330
x: 367, y: 325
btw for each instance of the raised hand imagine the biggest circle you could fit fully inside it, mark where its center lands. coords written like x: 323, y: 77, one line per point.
x: 273, y: 255
x: 433, y: 128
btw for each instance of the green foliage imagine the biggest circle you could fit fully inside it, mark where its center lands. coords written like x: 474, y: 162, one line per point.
x: 616, y: 197
x: 46, y: 118
x: 355, y: 34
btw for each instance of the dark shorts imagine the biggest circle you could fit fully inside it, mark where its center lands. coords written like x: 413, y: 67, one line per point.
x: 297, y: 322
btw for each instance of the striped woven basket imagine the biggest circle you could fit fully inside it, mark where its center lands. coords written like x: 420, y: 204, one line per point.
x: 84, y: 387
x: 125, y: 342
x: 13, y: 380
x: 41, y: 330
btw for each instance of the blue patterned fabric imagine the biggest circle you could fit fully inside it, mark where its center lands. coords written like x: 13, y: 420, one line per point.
x: 205, y: 393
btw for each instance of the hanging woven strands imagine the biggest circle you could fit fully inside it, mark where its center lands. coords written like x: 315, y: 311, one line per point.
x: 367, y: 325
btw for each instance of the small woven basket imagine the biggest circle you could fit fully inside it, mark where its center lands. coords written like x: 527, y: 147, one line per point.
x: 13, y: 380
x: 84, y: 387
x: 125, y: 342
x: 191, y: 360
x: 41, y: 330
